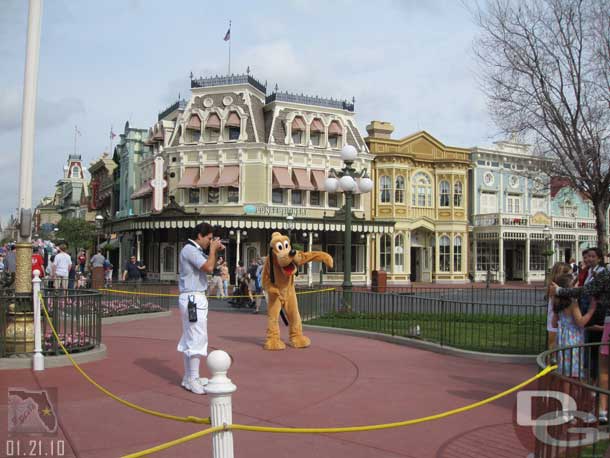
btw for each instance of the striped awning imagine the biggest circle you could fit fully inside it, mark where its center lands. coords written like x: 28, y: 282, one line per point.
x: 281, y: 178
x: 145, y: 190
x: 229, y: 176
x: 190, y: 178
x: 302, y: 179
x: 209, y: 177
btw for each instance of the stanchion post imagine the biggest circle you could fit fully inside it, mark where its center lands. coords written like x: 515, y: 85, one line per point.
x: 38, y: 358
x: 219, y: 389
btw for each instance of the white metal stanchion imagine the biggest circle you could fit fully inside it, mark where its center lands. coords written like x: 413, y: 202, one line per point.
x: 220, y: 388
x: 38, y: 358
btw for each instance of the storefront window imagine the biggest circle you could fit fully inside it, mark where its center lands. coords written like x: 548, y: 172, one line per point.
x: 385, y: 253
x: 277, y: 196
x: 444, y: 254
x: 213, y: 195
x: 233, y: 195
x: 487, y: 256
x: 193, y: 196
x: 297, y: 197
x: 537, y: 256
x: 457, y: 254
x: 399, y: 253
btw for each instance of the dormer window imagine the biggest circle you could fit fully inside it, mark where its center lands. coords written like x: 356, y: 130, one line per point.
x: 212, y: 128
x: 233, y: 126
x: 193, y: 129
x: 316, y: 130
x: 298, y: 131
x: 334, y: 134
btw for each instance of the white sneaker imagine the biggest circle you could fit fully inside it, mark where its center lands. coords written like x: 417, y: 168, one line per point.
x: 204, y: 381
x: 194, y: 385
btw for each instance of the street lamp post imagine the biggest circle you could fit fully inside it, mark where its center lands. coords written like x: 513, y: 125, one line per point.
x: 99, y: 224
x: 547, y: 248
x: 349, y: 181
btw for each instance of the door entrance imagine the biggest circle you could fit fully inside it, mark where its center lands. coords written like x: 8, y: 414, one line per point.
x: 414, y: 264
x: 167, y: 263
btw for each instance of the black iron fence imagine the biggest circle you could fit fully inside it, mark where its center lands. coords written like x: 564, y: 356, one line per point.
x: 127, y: 298
x: 510, y: 322
x: 570, y: 409
x: 75, y: 314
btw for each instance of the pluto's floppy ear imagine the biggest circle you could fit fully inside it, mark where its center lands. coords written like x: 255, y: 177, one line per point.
x: 271, y: 272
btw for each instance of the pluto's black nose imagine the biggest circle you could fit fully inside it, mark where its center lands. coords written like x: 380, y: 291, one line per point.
x: 292, y: 252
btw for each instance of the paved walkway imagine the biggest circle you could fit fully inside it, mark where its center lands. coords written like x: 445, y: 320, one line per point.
x: 339, y: 381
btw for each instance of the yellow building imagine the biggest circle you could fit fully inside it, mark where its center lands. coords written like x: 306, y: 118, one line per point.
x: 422, y: 185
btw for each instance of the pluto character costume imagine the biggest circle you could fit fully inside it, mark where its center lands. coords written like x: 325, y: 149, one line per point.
x: 278, y: 283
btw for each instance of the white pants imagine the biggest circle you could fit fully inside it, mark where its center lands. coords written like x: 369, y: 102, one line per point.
x: 194, y: 340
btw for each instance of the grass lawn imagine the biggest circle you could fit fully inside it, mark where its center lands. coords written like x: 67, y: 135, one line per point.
x: 520, y: 334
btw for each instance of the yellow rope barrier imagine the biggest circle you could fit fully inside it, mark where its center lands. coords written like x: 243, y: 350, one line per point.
x: 347, y: 429
x: 138, y: 293
x: 189, y: 419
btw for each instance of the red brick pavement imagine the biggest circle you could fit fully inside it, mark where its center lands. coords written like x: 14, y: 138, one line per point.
x: 339, y: 381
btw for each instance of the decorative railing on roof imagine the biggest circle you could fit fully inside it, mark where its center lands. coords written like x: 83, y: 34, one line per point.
x: 226, y: 80
x: 178, y: 104
x: 311, y: 100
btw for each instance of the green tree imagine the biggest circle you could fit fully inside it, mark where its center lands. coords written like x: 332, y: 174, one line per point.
x: 77, y: 233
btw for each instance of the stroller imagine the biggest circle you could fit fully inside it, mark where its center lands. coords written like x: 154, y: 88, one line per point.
x: 242, y: 299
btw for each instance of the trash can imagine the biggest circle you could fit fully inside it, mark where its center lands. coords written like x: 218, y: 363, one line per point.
x: 379, y: 281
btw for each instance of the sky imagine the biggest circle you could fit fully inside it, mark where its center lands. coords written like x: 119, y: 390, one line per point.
x: 409, y: 62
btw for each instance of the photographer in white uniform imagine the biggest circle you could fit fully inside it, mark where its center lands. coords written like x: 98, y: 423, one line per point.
x: 194, y: 265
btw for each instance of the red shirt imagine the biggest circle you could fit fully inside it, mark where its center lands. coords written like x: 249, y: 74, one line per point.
x: 38, y: 264
x: 582, y: 276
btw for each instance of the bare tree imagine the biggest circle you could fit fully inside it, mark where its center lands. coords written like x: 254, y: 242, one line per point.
x: 545, y: 67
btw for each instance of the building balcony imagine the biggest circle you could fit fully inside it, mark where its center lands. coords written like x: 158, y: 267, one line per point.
x: 512, y: 220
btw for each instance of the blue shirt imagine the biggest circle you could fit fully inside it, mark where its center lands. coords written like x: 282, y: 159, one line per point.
x: 190, y: 277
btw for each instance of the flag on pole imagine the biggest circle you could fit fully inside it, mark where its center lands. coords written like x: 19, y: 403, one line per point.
x: 228, y: 34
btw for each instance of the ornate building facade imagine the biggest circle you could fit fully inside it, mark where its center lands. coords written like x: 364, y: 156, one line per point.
x: 250, y: 163
x: 522, y: 221
x: 421, y: 185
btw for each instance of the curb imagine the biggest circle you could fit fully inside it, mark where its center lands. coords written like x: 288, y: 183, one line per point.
x: 50, y: 362
x: 134, y: 317
x: 429, y: 346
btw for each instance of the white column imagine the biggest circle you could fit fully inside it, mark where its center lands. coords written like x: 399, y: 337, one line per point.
x: 501, y: 257
x: 219, y: 390
x: 37, y: 358
x: 138, y: 254
x: 527, y: 259
x: 237, y: 254
x: 474, y: 256
x: 309, y: 269
x: 368, y: 260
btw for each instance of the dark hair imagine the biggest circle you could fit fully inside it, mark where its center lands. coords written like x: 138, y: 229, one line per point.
x: 240, y: 263
x: 562, y: 303
x: 597, y: 251
x: 203, y: 229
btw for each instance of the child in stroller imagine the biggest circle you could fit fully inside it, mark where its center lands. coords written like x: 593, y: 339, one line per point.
x: 244, y: 296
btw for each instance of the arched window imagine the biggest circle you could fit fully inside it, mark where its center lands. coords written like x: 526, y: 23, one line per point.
x: 421, y: 190
x: 399, y: 253
x: 385, y: 252
x: 385, y: 188
x: 444, y: 251
x: 457, y: 253
x: 193, y: 129
x: 316, y: 131
x: 399, y: 193
x: 232, y: 126
x: 76, y: 171
x: 457, y: 194
x: 334, y: 134
x: 445, y: 189
x: 212, y: 128
x: 298, y: 130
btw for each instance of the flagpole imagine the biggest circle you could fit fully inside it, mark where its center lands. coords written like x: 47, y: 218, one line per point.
x: 75, y: 132
x: 229, y: 48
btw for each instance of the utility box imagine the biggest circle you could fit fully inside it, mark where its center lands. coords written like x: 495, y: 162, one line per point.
x: 379, y: 281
